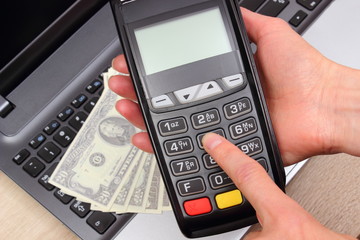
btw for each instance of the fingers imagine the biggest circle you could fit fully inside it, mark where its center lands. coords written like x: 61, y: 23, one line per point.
x: 123, y: 86
x: 249, y: 176
x: 142, y: 141
x: 119, y: 64
x: 131, y: 111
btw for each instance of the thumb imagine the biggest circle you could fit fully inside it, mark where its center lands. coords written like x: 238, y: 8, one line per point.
x: 248, y: 175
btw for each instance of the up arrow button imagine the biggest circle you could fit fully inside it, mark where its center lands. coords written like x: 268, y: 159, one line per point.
x: 208, y: 89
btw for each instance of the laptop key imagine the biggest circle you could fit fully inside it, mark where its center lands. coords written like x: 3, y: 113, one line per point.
x: 273, y: 8
x: 51, y: 127
x: 101, y: 221
x: 91, y: 104
x: 80, y: 208
x: 64, y: 198
x: 94, y: 86
x: 252, y: 5
x: 45, y: 178
x: 21, y: 156
x: 65, y: 113
x: 64, y: 136
x: 78, y: 120
x: 309, y: 4
x: 298, y: 18
x: 33, y: 167
x: 37, y: 141
x: 49, y: 152
x: 79, y: 100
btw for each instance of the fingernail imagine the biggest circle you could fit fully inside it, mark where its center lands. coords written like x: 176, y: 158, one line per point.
x: 211, y: 140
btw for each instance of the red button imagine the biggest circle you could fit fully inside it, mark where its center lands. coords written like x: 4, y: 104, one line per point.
x: 197, y: 206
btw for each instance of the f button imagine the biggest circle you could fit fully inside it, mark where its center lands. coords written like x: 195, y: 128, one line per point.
x: 191, y: 186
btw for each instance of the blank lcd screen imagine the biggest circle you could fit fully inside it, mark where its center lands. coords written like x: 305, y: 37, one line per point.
x: 182, y: 40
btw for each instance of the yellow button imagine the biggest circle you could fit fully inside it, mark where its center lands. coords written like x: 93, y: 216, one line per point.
x: 228, y: 199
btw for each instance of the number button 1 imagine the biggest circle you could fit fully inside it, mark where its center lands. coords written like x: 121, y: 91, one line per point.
x: 172, y: 126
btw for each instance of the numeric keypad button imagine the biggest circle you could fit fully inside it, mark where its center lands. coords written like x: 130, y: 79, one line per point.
x: 178, y: 146
x: 205, y: 119
x: 191, y: 186
x: 243, y: 128
x: 200, y: 136
x: 64, y: 136
x: 251, y: 147
x: 184, y: 166
x: 219, y: 180
x: 172, y: 126
x: 237, y: 108
x: 209, y: 162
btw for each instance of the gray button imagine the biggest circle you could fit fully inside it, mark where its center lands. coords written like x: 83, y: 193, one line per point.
x: 233, y: 80
x: 184, y: 166
x: 243, y: 128
x: 187, y: 95
x: 251, y: 147
x: 178, y: 146
x: 205, y: 119
x: 191, y: 186
x: 162, y: 101
x: 208, y: 89
x: 172, y: 126
x: 238, y: 108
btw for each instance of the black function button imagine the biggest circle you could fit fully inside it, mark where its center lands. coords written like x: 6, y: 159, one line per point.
x: 238, y: 108
x: 178, y: 146
x: 184, y: 166
x: 64, y: 198
x: 79, y: 100
x: 191, y: 186
x: 94, y: 86
x: 33, y: 167
x: 49, y: 152
x: 172, y: 126
x: 309, y: 4
x: 21, y: 156
x: 91, y: 104
x: 80, y: 208
x: 243, y: 128
x: 101, y: 221
x: 78, y: 120
x: 273, y: 8
x: 252, y: 5
x: 219, y: 180
x: 37, y: 141
x: 200, y: 136
x: 262, y: 162
x: 251, y: 147
x: 64, y: 136
x: 44, y: 180
x: 205, y: 119
x: 209, y: 162
x: 298, y: 18
x: 51, y: 127
x: 65, y: 113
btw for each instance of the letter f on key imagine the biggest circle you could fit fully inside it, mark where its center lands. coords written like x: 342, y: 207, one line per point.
x: 187, y: 187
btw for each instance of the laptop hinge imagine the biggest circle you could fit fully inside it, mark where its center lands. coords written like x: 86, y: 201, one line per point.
x: 5, y: 107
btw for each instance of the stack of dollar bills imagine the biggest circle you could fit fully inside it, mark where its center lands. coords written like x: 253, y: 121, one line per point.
x: 103, y: 168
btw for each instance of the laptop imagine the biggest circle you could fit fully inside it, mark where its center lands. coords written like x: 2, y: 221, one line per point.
x: 50, y: 83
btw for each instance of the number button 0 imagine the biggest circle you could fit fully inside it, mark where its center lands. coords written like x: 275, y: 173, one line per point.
x: 172, y: 126
x: 238, y: 108
x: 184, y: 166
x: 205, y: 119
x: 178, y: 146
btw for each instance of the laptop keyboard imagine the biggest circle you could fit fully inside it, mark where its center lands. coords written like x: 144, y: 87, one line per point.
x: 42, y: 153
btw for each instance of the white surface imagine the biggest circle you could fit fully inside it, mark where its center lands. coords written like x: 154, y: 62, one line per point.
x: 336, y: 34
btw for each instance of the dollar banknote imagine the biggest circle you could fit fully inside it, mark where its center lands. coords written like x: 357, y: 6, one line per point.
x: 103, y: 168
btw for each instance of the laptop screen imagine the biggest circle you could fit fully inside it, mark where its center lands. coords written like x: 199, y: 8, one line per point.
x: 32, y: 30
